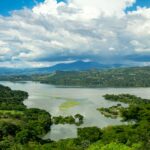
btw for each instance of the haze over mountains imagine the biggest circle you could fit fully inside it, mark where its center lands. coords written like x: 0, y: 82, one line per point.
x: 74, y: 66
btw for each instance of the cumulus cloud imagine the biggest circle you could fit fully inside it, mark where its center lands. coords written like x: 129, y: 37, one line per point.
x: 95, y: 8
x: 94, y: 30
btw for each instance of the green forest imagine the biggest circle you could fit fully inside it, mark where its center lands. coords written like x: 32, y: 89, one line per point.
x: 121, y: 77
x: 22, y: 128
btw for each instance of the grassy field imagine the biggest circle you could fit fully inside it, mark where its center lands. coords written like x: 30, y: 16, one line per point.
x: 68, y: 104
x: 9, y: 116
x: 12, y: 112
x: 64, y: 98
x: 12, y: 120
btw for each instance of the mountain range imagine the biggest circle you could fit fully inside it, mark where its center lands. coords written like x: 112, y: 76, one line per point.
x: 74, y: 66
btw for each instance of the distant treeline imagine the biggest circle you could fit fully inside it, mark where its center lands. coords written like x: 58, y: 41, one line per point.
x: 123, y: 77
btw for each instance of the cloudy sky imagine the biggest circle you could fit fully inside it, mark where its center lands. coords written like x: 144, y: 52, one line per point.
x: 37, y: 33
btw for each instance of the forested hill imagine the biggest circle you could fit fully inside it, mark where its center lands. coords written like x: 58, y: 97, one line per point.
x: 121, y: 77
x: 124, y: 77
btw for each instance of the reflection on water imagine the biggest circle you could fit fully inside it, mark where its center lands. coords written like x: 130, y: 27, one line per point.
x: 50, y: 98
x: 62, y: 132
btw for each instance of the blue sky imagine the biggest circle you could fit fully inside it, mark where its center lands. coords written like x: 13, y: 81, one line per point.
x: 6, y: 6
x: 141, y: 3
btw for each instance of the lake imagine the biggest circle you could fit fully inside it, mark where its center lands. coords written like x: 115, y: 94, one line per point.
x: 70, y: 101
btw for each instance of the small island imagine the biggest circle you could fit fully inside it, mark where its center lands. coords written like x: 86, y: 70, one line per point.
x: 111, y: 112
x: 126, y: 98
x: 76, y: 119
x: 132, y: 112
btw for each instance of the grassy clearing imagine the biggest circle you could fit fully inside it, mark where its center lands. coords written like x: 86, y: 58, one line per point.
x: 12, y: 112
x: 68, y: 99
x: 10, y: 116
x: 11, y: 120
x: 68, y: 105
x: 69, y: 102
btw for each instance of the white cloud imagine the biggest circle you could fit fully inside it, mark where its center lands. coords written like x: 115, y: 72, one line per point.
x: 94, y: 8
x: 83, y: 9
x: 48, y: 7
x: 89, y: 30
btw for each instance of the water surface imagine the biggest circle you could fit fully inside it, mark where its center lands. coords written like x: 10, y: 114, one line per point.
x: 51, y: 98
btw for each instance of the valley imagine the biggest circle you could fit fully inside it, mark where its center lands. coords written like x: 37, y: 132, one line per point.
x: 39, y: 123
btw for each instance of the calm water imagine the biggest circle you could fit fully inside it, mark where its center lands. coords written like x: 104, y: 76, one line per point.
x: 49, y: 98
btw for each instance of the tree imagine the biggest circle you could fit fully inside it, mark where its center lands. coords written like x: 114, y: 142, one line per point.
x: 24, y: 136
x: 91, y: 134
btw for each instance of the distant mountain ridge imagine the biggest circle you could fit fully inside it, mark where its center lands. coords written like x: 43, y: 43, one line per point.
x: 74, y: 66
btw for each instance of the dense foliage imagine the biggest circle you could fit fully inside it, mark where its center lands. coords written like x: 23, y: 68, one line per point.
x: 11, y: 100
x: 17, y: 123
x: 77, y: 119
x: 126, y: 98
x: 138, y: 113
x: 121, y: 77
x: 113, y: 146
x: 125, y: 77
x: 112, y: 112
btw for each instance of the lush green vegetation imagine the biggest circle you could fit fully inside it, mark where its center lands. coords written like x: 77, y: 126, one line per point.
x: 22, y: 129
x: 138, y: 110
x: 134, y: 136
x: 126, y: 98
x: 135, y: 103
x: 69, y: 104
x: 113, y: 146
x: 11, y: 100
x: 112, y: 112
x: 17, y: 123
x: 77, y: 120
x: 121, y: 77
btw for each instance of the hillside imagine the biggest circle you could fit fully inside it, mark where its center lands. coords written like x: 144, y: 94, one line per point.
x: 125, y: 77
x: 121, y: 77
x: 77, y: 66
